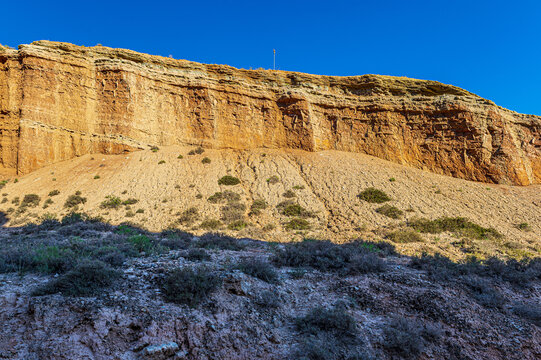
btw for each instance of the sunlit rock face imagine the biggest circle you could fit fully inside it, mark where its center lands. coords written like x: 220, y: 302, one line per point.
x: 58, y: 101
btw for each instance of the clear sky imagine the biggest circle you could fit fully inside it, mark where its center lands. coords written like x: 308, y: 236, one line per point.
x: 491, y: 48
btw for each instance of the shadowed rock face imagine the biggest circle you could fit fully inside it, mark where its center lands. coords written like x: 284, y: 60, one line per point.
x: 58, y: 101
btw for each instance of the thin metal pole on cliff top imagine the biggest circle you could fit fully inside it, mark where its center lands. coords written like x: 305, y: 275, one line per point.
x: 274, y: 60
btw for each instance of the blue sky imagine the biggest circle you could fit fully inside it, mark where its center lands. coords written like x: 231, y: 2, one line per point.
x: 492, y: 48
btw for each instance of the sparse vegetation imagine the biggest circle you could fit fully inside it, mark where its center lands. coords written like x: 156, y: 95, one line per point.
x: 154, y: 149
x: 268, y: 299
x: 228, y: 180
x: 297, y: 224
x: 373, y: 195
x: 130, y: 201
x: 211, y: 224
x: 197, y: 151
x: 290, y: 208
x: 111, y: 202
x: 54, y: 193
x: 197, y: 254
x: 524, y: 226
x: 74, y: 200
x: 96, y: 177
x: 233, y: 211
x: 335, y: 320
x: 289, y: 194
x: 161, y: 162
x: 237, y: 225
x: 298, y: 187
x: 356, y: 257
x: 189, y: 216
x: 403, y: 336
x: 206, y: 160
x: 390, y: 211
x: 257, y: 206
x: 273, y: 179
x: 189, y: 286
x: 224, y: 196
x: 86, y: 278
x: 30, y: 200
x: 259, y: 269
x: 404, y: 236
x: 221, y: 242
x: 180, y: 157
x: 458, y: 225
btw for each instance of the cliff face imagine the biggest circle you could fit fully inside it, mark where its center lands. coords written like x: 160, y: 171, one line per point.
x: 58, y: 101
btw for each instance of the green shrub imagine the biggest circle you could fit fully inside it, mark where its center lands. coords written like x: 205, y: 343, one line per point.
x: 298, y: 187
x: 390, y: 211
x: 405, y: 236
x: 161, y: 162
x: 197, y: 255
x: 335, y: 320
x: 268, y: 299
x: 392, y: 179
x: 259, y: 269
x: 524, y: 226
x: 403, y: 336
x: 210, y: 224
x: 130, y: 201
x: 458, y: 225
x: 180, y: 157
x: 111, y: 202
x: 297, y: 224
x: 96, y: 177
x: 74, y: 200
x: 273, y: 179
x: 30, y: 200
x: 141, y: 243
x: 290, y: 208
x: 154, y: 149
x: 289, y: 194
x: 228, y: 180
x: 529, y: 311
x: 224, y: 196
x: 220, y: 242
x: 356, y: 257
x: 257, y: 206
x: 237, y: 225
x: 373, y: 195
x: 206, y: 160
x: 189, y: 216
x: 140, y: 211
x: 53, y: 259
x: 126, y: 230
x: 233, y: 211
x: 54, y: 193
x: 86, y: 279
x: 189, y: 286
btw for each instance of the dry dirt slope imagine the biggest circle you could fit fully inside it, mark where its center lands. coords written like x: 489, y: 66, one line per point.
x: 325, y: 183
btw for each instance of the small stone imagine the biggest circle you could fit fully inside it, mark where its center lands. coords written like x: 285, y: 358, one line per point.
x: 161, y: 351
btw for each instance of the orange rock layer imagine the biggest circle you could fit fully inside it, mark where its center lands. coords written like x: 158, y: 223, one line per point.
x: 58, y: 101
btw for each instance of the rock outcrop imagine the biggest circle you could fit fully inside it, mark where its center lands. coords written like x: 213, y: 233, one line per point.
x: 58, y: 101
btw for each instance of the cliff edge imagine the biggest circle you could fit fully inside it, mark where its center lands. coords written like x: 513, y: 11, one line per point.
x: 59, y: 101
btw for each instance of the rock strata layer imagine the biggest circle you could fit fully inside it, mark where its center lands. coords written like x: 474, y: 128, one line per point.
x: 58, y: 101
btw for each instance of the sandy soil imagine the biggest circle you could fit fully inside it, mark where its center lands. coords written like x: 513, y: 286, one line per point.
x: 331, y: 181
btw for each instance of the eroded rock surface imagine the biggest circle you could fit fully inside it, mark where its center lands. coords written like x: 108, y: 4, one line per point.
x: 58, y: 101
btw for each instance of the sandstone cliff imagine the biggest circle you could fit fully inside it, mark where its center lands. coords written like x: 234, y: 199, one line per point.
x: 58, y: 101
